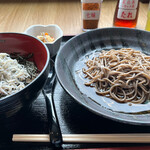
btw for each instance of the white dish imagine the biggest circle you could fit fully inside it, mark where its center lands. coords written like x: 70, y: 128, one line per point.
x: 53, y: 30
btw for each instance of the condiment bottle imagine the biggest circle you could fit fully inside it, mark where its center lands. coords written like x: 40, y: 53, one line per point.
x: 148, y: 19
x: 126, y: 13
x: 90, y: 14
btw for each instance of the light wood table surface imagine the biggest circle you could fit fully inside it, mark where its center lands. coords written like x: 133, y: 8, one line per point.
x: 17, y: 15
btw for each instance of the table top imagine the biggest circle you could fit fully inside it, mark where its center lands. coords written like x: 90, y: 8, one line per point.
x: 18, y: 15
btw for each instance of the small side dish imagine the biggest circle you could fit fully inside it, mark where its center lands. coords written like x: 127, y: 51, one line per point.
x: 51, y: 35
x: 45, y: 37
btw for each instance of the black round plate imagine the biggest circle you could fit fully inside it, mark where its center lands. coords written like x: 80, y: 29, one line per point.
x: 69, y: 61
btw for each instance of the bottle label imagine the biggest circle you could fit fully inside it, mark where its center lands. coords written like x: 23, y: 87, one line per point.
x: 91, y: 1
x: 126, y: 14
x: 128, y: 4
x: 90, y: 14
x: 127, y: 9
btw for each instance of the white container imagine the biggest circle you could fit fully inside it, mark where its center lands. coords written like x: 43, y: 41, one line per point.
x: 53, y: 30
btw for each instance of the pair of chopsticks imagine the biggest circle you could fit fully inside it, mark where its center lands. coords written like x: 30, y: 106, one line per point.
x: 86, y: 138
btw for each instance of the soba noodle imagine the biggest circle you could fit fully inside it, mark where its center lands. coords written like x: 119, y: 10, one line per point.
x: 123, y: 75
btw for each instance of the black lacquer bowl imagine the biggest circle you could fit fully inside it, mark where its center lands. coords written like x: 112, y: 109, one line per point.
x: 24, y: 44
x: 70, y: 61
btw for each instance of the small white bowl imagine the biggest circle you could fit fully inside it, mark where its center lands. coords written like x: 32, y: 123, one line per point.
x: 53, y: 30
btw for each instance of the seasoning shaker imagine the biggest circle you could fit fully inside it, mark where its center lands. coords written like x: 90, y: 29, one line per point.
x: 90, y: 14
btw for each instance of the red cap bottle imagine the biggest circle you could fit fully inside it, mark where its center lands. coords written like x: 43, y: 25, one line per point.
x: 126, y: 13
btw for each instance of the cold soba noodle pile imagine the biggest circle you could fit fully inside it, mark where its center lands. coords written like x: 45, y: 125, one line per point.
x: 123, y: 75
x: 15, y: 74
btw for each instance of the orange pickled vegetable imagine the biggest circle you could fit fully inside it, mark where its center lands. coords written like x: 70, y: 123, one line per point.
x: 46, y: 33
